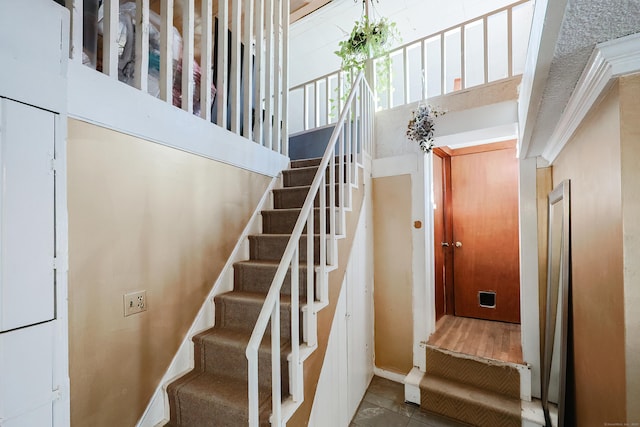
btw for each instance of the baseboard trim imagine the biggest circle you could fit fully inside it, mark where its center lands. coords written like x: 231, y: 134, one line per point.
x: 389, y: 375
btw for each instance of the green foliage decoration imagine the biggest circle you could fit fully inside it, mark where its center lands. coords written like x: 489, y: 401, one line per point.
x: 369, y: 39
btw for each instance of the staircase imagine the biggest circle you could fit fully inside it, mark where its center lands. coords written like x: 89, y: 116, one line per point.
x: 214, y: 393
x: 475, y: 390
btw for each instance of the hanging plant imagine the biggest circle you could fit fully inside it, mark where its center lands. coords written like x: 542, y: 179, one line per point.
x: 368, y: 39
x: 421, y: 127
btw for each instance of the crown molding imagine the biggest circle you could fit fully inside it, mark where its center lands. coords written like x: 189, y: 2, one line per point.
x: 608, y: 61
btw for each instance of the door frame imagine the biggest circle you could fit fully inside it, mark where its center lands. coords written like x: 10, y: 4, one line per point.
x: 445, y: 154
x: 529, y: 313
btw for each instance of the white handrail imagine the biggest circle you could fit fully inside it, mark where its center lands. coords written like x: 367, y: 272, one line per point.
x: 352, y: 116
x: 264, y: 103
x: 440, y: 71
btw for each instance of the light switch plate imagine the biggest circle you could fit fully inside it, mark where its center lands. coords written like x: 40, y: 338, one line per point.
x: 135, y: 302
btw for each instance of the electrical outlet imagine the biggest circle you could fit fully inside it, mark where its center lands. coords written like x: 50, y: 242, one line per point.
x: 135, y: 302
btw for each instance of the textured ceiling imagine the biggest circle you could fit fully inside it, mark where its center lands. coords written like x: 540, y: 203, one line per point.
x: 586, y: 23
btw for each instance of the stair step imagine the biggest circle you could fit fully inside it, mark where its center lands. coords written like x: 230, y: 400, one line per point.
x: 240, y: 310
x: 221, y: 351
x: 271, y: 247
x: 469, y: 404
x: 282, y: 221
x: 201, y: 399
x: 294, y: 197
x: 303, y: 176
x: 256, y: 276
x: 310, y: 162
x: 487, y: 374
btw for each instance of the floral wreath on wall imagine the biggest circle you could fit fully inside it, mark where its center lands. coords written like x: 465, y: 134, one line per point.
x: 421, y: 127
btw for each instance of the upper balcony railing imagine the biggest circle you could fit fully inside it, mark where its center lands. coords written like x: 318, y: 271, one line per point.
x: 226, y: 61
x: 482, y: 50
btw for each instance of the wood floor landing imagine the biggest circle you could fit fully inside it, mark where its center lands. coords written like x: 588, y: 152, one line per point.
x: 482, y: 338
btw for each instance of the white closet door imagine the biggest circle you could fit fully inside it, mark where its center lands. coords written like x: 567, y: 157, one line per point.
x: 26, y: 383
x: 26, y: 215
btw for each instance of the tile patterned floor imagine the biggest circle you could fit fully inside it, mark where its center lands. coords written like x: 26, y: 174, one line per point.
x: 383, y: 406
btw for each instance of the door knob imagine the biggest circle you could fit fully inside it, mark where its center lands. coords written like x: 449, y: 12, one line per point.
x: 444, y: 244
x: 458, y: 244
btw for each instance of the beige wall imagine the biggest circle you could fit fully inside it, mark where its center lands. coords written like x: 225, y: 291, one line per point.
x: 592, y: 161
x: 393, y: 273
x: 141, y: 217
x: 544, y: 185
x: 630, y: 158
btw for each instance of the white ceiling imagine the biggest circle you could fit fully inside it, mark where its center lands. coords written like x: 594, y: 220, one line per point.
x: 585, y: 23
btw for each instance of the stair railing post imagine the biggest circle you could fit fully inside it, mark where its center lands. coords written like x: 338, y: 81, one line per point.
x: 276, y: 376
x: 310, y: 327
x: 294, y: 363
x: 322, y: 220
x: 333, y: 210
x: 206, y: 59
x: 166, y: 51
x: 222, y: 82
x: 252, y: 386
x: 341, y: 187
x: 142, y: 45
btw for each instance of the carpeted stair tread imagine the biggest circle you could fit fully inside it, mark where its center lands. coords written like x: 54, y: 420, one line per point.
x: 487, y: 374
x: 304, y: 175
x: 204, y: 399
x: 272, y: 246
x: 214, y: 393
x: 222, y: 351
x: 240, y: 310
x: 257, y: 275
x: 468, y: 404
x: 282, y: 221
x: 294, y: 197
x: 311, y: 162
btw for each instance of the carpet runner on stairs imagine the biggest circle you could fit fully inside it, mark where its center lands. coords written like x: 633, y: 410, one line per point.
x: 478, y: 391
x: 214, y: 393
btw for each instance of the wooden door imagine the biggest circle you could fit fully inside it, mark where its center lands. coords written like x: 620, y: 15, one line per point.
x: 442, y: 233
x: 484, y: 188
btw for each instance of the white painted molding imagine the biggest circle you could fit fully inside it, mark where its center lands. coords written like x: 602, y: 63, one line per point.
x: 392, y: 376
x: 608, y: 61
x: 545, y: 29
x: 96, y: 98
x: 157, y: 410
x: 532, y: 414
x: 412, y: 386
x: 529, y: 313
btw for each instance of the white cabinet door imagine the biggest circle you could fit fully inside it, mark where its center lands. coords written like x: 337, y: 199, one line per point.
x: 26, y: 363
x: 26, y: 215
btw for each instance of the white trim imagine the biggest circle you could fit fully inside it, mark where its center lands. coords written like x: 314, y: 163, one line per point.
x: 529, y: 307
x: 608, y: 61
x: 423, y: 290
x: 61, y: 407
x: 412, y: 386
x: 391, y: 376
x: 157, y: 410
x: 419, y: 168
x: 532, y: 414
x: 120, y: 107
x: 545, y: 29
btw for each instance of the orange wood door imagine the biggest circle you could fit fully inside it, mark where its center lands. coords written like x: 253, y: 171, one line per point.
x: 443, y: 255
x: 485, y: 234
x: 439, y: 236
